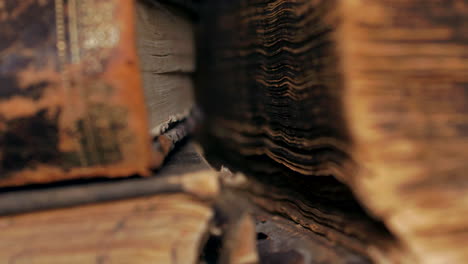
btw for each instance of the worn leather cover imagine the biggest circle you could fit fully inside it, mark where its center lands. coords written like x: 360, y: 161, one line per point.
x: 71, y: 103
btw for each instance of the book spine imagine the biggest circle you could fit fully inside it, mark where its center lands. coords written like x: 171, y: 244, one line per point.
x: 71, y: 103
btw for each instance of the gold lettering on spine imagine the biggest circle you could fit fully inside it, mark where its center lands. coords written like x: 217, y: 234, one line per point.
x: 99, y: 34
x: 61, y: 43
x: 62, y: 51
x: 86, y: 37
x: 75, y: 29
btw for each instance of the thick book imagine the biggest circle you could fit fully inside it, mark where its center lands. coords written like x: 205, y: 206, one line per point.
x: 85, y: 85
x: 140, y: 220
x: 372, y: 92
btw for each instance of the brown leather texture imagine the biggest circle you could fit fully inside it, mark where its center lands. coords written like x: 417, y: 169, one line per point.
x: 71, y: 103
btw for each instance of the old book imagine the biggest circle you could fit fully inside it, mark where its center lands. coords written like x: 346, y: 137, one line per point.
x: 160, y: 219
x: 372, y: 92
x: 165, y: 45
x: 158, y: 229
x: 86, y: 84
x: 186, y: 171
x: 164, y: 219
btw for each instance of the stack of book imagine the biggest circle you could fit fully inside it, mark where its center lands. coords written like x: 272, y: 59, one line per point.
x: 98, y: 89
x: 346, y: 119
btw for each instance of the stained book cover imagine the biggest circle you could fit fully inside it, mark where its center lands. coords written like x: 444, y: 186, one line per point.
x: 71, y: 103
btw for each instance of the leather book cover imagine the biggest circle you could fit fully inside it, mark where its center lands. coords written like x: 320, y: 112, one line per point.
x: 71, y: 102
